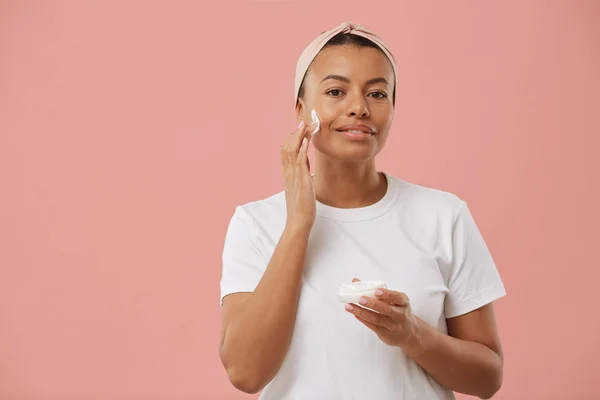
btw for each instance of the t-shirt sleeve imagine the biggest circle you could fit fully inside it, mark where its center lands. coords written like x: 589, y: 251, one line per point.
x: 243, y: 263
x: 473, y: 280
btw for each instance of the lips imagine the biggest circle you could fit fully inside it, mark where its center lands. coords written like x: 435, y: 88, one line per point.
x: 356, y: 128
x: 355, y: 131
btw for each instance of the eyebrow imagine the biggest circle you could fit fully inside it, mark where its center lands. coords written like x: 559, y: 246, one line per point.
x: 344, y: 79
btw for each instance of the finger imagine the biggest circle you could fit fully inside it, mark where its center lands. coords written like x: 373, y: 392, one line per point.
x: 380, y: 331
x: 373, y: 317
x: 355, y: 280
x: 285, y: 159
x: 381, y: 307
x: 302, y: 153
x: 295, y: 141
x: 393, y: 297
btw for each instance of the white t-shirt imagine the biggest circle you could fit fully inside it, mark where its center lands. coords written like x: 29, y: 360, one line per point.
x: 421, y: 241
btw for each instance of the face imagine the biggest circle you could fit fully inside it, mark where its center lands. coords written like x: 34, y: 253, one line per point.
x: 351, y: 90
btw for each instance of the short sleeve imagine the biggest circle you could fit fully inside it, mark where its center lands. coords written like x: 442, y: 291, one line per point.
x: 473, y: 279
x: 243, y: 262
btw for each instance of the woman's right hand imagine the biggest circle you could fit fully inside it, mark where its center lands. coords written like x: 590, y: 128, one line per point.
x: 299, y: 192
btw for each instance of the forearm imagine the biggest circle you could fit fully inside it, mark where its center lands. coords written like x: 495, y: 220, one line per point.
x: 257, y: 340
x: 460, y: 365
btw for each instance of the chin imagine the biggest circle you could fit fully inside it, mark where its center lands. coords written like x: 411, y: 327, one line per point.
x: 350, y: 150
x: 352, y: 153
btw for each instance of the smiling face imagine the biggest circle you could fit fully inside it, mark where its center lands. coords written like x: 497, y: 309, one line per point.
x: 351, y: 90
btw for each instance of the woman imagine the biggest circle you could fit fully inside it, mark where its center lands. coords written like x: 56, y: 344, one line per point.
x: 285, y: 331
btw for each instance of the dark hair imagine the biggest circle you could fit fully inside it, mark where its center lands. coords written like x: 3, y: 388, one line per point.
x: 347, y: 39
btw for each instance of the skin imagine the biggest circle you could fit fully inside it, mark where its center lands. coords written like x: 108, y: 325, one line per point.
x: 345, y: 175
x: 468, y: 360
x: 257, y: 327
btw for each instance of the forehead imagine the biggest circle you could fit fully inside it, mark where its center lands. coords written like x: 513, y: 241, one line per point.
x: 356, y: 63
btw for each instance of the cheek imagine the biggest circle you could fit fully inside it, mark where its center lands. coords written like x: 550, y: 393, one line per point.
x: 328, y: 116
x: 385, y: 122
x: 326, y: 123
x: 327, y: 110
x: 391, y: 118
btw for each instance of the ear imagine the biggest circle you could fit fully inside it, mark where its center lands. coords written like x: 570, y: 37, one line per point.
x: 301, y: 110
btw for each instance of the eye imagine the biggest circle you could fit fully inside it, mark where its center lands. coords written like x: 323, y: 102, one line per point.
x: 334, y: 92
x: 381, y: 95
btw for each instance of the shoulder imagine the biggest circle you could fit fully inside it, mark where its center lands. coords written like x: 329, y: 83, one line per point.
x: 271, y: 208
x: 425, y: 201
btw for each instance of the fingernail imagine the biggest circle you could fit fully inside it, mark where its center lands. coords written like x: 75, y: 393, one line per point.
x: 349, y: 307
x: 304, y: 141
x: 378, y: 292
x: 362, y: 301
x: 301, y: 124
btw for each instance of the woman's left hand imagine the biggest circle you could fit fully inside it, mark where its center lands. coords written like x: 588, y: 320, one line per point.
x: 393, y: 322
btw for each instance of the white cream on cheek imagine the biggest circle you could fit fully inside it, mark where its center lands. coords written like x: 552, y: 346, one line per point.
x: 315, y: 121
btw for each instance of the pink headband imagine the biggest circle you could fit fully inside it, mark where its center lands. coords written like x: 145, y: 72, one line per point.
x: 311, y: 51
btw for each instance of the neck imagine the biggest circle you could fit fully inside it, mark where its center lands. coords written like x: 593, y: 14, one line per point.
x: 348, y: 185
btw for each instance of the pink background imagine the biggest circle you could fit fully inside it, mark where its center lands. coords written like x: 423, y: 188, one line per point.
x: 130, y: 130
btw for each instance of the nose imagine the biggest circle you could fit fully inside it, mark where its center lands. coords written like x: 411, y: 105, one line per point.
x: 357, y: 106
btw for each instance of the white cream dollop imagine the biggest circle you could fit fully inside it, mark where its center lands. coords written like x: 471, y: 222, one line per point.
x: 315, y: 120
x: 350, y: 292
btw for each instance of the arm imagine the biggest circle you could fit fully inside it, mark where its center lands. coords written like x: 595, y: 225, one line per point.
x: 469, y: 359
x: 257, y: 327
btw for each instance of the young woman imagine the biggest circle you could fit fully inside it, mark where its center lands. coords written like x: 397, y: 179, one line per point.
x: 285, y: 331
